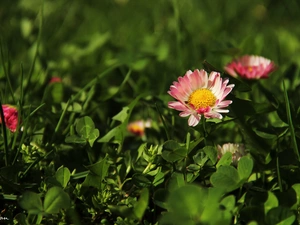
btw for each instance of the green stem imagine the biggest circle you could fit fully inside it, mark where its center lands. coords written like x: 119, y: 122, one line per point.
x: 290, y: 122
x: 163, y: 121
x: 39, y: 218
x: 147, y: 168
x: 204, y: 130
x: 278, y: 173
x: 4, y: 136
x: 90, y: 154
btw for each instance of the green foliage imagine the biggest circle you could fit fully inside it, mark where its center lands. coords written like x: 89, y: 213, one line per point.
x: 197, y: 205
x: 78, y: 69
x: 86, y: 132
x: 55, y: 200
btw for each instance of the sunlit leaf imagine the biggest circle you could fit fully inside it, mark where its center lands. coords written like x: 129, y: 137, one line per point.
x: 31, y: 202
x: 226, y: 177
x: 55, y: 200
x: 142, y: 203
x: 245, y: 166
x: 280, y: 216
x: 62, y: 175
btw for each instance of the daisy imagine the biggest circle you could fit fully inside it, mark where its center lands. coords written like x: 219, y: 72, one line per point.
x: 237, y: 151
x: 10, y: 117
x: 198, y: 94
x: 250, y: 67
x: 138, y: 127
x: 55, y: 80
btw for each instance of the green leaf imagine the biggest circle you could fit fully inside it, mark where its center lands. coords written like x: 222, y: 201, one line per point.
x: 62, y: 175
x: 212, y: 153
x: 271, y: 202
x: 98, y: 172
x: 191, y: 204
x: 21, y: 219
x: 226, y: 177
x: 172, y: 218
x: 296, y: 188
x: 86, y: 131
x: 31, y: 202
x: 160, y: 198
x: 194, y: 143
x: 85, y: 126
x: 118, y: 132
x: 212, y: 212
x: 173, y: 152
x: 141, y: 180
x: 75, y: 139
x: 57, y: 93
x: 158, y: 179
x: 280, y: 216
x: 55, y: 200
x: 245, y: 166
x: 73, y: 107
x: 176, y: 181
x: 192, y: 201
x: 99, y: 168
x: 93, y: 136
x: 141, y: 205
x: 252, y: 223
x: 122, y: 116
x: 264, y: 134
x: 115, y: 132
x: 228, y: 202
x: 225, y: 160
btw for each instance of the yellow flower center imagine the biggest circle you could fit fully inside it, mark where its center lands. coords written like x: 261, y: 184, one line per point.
x: 202, y: 98
x: 250, y: 68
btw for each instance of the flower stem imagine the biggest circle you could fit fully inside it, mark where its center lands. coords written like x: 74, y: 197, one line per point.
x: 204, y: 130
x: 4, y: 136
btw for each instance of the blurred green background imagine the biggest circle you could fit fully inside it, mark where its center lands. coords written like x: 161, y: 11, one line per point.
x: 158, y: 39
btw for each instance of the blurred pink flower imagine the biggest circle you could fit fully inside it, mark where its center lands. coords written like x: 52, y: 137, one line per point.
x: 237, y: 151
x: 198, y: 94
x: 10, y: 117
x: 250, y: 67
x: 138, y: 127
x: 55, y: 80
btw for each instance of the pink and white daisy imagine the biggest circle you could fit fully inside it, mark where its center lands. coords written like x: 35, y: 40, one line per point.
x: 10, y: 117
x: 250, y: 67
x: 55, y: 80
x: 138, y: 127
x: 198, y: 94
x: 237, y: 151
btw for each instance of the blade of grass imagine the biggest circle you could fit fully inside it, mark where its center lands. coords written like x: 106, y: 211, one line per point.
x: 38, y: 41
x: 9, y: 197
x: 178, y: 33
x: 290, y: 122
x: 20, y: 110
x: 76, y: 96
x: 4, y: 136
x: 34, y: 163
x: 6, y: 72
x: 93, y: 82
x: 163, y: 121
x: 24, y: 132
